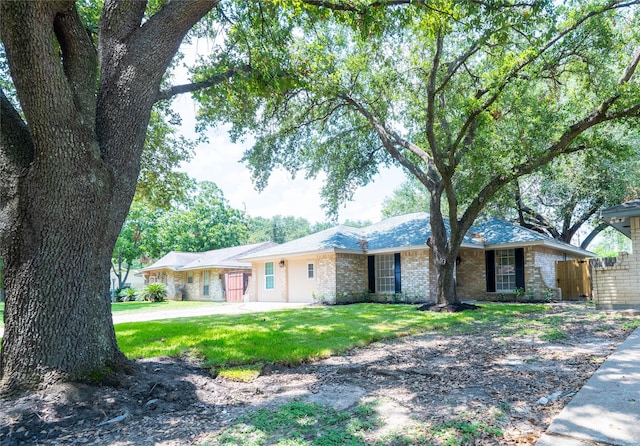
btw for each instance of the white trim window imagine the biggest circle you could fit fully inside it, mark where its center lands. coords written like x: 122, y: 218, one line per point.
x: 505, y: 270
x: 269, y: 276
x: 385, y: 273
x: 310, y: 271
x: 205, y: 283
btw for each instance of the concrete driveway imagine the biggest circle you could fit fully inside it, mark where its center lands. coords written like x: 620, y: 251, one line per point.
x: 236, y: 308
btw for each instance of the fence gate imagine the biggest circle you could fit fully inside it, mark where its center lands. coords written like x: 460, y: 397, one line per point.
x: 573, y: 277
x: 235, y: 286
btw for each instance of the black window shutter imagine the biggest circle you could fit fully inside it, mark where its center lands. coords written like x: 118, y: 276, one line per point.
x: 519, y: 252
x: 490, y: 267
x: 371, y: 263
x: 396, y: 270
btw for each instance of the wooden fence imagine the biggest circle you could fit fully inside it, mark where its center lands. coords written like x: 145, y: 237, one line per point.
x: 574, y: 278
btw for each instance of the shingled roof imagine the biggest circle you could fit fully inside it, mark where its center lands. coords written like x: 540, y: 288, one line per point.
x: 618, y: 216
x: 409, y: 231
x: 226, y: 258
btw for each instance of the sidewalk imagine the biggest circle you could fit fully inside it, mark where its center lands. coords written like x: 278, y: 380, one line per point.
x: 606, y: 411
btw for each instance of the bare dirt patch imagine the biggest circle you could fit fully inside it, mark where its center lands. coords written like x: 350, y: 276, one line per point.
x: 508, y: 378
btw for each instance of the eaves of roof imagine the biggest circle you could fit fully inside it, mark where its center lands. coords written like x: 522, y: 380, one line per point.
x: 628, y: 209
x: 219, y: 265
x: 160, y: 267
x: 276, y: 255
x: 551, y: 243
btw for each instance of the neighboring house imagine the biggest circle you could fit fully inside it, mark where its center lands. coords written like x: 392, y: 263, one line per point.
x: 215, y: 275
x: 391, y: 261
x: 617, y: 287
x: 134, y: 280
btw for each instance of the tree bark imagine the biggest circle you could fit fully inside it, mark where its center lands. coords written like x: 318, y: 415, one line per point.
x: 443, y: 253
x: 71, y: 168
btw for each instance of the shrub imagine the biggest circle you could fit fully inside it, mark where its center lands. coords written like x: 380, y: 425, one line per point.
x: 127, y: 295
x: 154, y: 292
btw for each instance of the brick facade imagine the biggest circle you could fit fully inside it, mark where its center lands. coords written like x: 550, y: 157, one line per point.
x: 343, y: 277
x: 326, y: 285
x: 351, y: 276
x: 470, y: 274
x: 416, y: 277
x: 179, y: 288
x: 618, y: 286
x: 539, y: 274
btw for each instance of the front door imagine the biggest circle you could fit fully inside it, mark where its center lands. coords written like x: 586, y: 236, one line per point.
x: 235, y: 287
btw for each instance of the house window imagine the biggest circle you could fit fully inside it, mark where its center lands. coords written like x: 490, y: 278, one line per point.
x: 269, y: 280
x: 205, y: 281
x: 190, y: 277
x: 385, y: 273
x: 310, y: 272
x: 505, y: 270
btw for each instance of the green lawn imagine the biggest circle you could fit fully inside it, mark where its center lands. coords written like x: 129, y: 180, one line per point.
x: 294, y: 336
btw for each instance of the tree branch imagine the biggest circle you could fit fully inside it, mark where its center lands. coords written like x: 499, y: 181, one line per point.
x: 201, y: 85
x: 34, y: 59
x: 16, y: 145
x: 80, y: 62
x: 120, y: 19
x: 16, y: 154
x: 631, y: 68
x: 577, y: 224
x: 597, y: 230
x: 562, y: 146
x: 389, y: 141
x: 499, y: 88
x: 540, y: 224
x: 431, y: 105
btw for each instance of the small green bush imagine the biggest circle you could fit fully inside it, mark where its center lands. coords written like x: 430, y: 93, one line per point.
x: 127, y: 295
x: 154, y: 292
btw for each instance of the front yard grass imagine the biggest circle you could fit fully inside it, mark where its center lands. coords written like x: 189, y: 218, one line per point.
x: 234, y: 342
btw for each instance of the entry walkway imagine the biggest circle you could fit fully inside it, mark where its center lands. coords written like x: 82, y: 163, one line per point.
x: 606, y: 411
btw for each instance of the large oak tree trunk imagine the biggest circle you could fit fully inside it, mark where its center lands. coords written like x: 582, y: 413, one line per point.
x: 58, y: 315
x: 69, y: 172
x: 443, y: 253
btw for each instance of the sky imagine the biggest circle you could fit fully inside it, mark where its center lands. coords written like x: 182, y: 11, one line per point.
x: 218, y: 160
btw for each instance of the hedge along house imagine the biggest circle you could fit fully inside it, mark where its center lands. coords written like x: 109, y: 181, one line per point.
x: 215, y: 275
x: 617, y: 287
x: 390, y: 261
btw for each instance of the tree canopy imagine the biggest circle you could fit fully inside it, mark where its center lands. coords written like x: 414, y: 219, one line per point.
x: 566, y: 196
x: 466, y: 96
